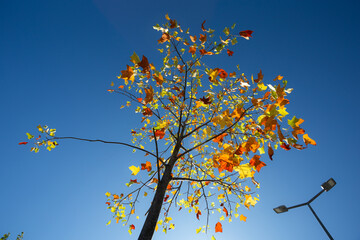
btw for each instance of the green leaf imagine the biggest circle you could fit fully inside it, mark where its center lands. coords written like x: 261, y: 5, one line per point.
x: 29, y: 136
x: 226, y: 31
x: 135, y: 58
x: 233, y: 41
x: 233, y: 26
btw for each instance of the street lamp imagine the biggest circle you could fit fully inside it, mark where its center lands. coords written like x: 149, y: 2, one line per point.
x: 326, y: 186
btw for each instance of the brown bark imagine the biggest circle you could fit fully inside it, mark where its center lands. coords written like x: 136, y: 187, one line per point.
x: 148, y: 228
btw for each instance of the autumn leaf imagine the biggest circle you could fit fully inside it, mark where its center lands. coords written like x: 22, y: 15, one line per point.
x: 242, y: 218
x: 147, y: 112
x: 193, y: 38
x: 134, y: 170
x: 202, y: 38
x: 149, y: 95
x: 225, y: 211
x: 159, y: 78
x: 220, y: 138
x: 202, y: 26
x: 128, y: 74
x: 204, y: 52
x: 230, y: 53
x: 205, y: 100
x: 308, y: 140
x: 144, y: 64
x: 192, y: 49
x: 164, y: 37
x: 160, y: 134
x: 285, y: 146
x: 23, y: 143
x: 166, y: 198
x: 218, y: 227
x: 222, y: 73
x: 198, y: 213
x: 270, y: 151
x: 246, y: 34
x: 132, y: 227
x: 255, y: 161
x: 146, y: 166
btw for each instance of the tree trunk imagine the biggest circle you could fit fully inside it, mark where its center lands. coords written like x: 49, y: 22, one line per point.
x: 148, y: 228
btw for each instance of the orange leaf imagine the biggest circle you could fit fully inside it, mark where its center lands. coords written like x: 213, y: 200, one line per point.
x: 242, y: 218
x: 139, y: 99
x: 202, y: 38
x: 127, y: 74
x: 204, y: 52
x: 23, y: 143
x: 230, y: 53
x: 218, y: 227
x: 255, y: 161
x: 116, y: 196
x: 193, y: 38
x: 225, y: 211
x: 246, y: 34
x: 107, y: 203
x: 160, y: 134
x: 132, y: 227
x: 165, y: 37
x: 219, y: 138
x: 222, y: 73
x: 149, y: 95
x: 192, y: 49
x: 168, y: 187
x: 146, y: 166
x: 198, y: 213
x: 308, y: 140
x: 147, y: 112
x: 159, y: 79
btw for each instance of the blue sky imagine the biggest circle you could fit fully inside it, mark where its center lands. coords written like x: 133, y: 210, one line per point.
x: 57, y: 58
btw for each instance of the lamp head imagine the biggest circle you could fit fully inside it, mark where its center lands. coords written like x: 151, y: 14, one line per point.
x: 329, y: 184
x: 281, y: 209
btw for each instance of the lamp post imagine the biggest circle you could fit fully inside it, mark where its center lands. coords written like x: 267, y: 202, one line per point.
x: 326, y: 186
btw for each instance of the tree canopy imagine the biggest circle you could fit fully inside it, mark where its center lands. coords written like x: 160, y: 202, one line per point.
x: 205, y: 131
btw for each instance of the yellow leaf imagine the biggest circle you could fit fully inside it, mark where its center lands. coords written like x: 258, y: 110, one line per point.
x: 242, y: 218
x: 134, y: 170
x: 244, y: 170
x: 308, y: 140
x: 198, y: 230
x: 213, y: 238
x: 108, y: 222
x: 107, y: 194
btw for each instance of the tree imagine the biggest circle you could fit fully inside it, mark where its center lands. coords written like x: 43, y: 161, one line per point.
x: 202, y: 129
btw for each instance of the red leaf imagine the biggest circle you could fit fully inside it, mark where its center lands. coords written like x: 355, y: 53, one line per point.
x: 202, y: 26
x: 285, y: 146
x: 160, y: 134
x: 147, y: 112
x: 246, y: 34
x: 230, y: 53
x: 255, y: 161
x: 218, y: 227
x: 166, y: 198
x: 198, y: 214
x: 139, y: 99
x: 23, y: 143
x: 222, y: 73
x: 146, y: 166
x: 107, y: 203
x: 132, y: 227
x: 225, y: 211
